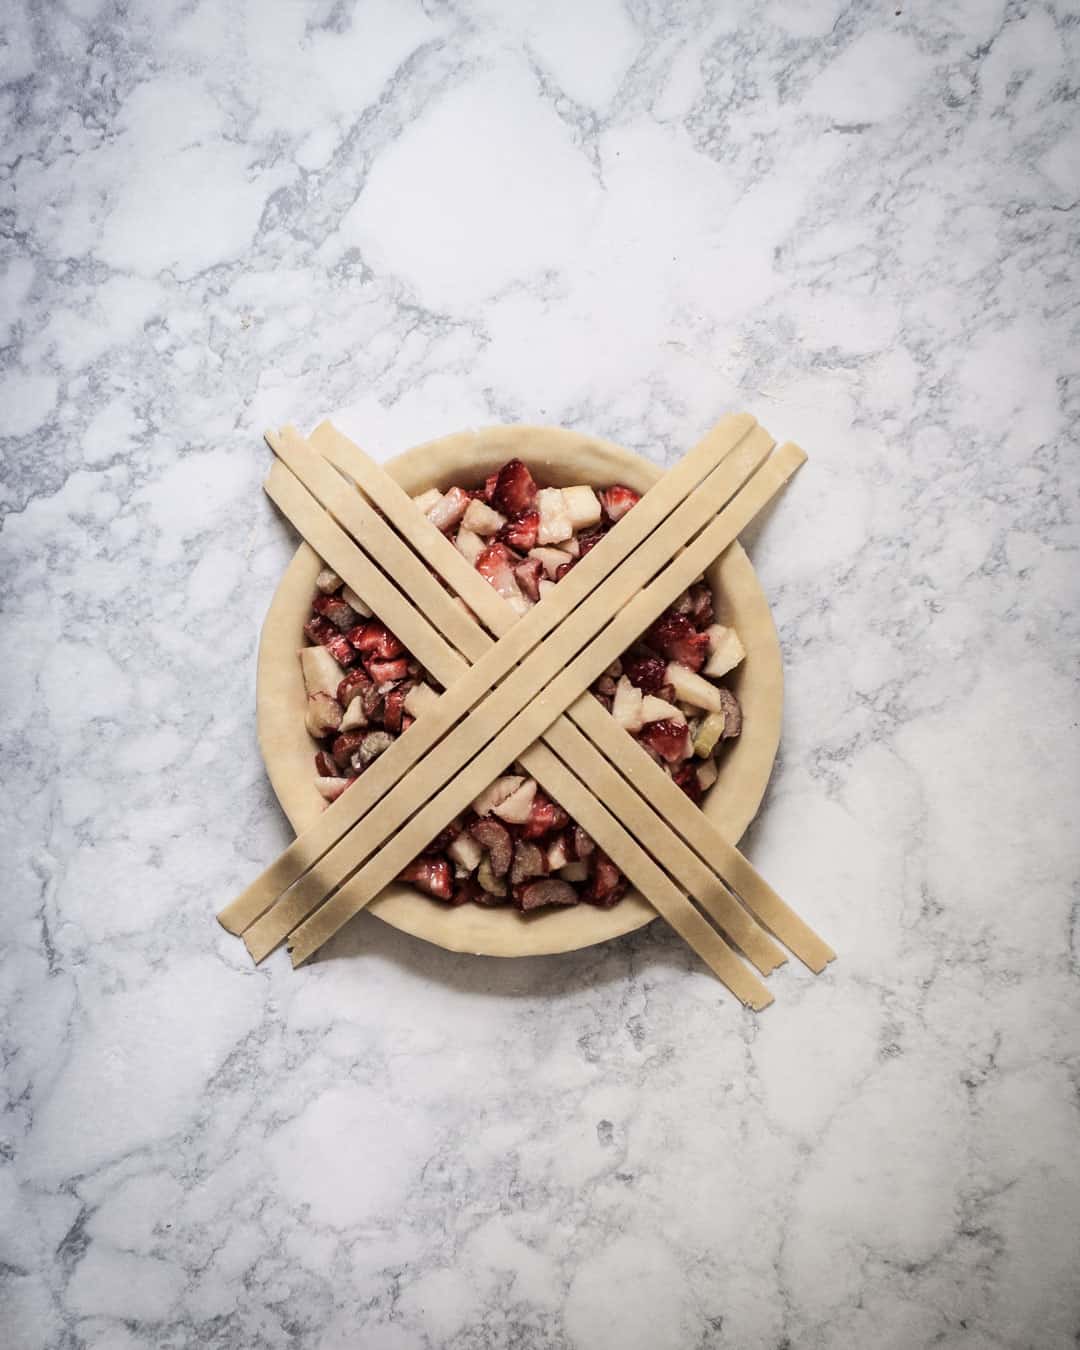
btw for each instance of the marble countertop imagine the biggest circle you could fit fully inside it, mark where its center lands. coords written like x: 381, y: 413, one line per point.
x: 859, y: 223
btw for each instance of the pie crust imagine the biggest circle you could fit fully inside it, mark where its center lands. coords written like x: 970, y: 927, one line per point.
x: 559, y: 457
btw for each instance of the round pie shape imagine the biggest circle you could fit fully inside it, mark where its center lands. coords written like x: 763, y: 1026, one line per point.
x: 557, y: 457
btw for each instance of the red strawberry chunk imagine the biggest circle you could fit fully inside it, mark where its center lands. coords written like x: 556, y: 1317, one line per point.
x: 325, y: 765
x: 515, y: 490
x: 332, y: 607
x: 617, y: 500
x: 490, y: 482
x: 544, y: 815
x: 702, y: 611
x: 320, y: 630
x: 589, y: 538
x: 563, y: 568
x: 345, y: 746
x: 606, y: 883
x: 647, y: 672
x: 670, y: 739
x: 528, y: 574
x: 675, y: 636
x: 394, y: 707
x: 406, y: 722
x: 495, y: 566
x: 520, y: 533
x: 431, y: 875
x: 341, y: 649
x: 376, y: 639
x: 383, y: 672
x: 351, y: 685
x: 686, y: 777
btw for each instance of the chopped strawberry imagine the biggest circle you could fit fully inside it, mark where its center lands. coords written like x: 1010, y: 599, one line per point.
x: 341, y: 649
x: 431, y: 875
x: 406, y: 723
x: 351, y: 685
x: 490, y: 482
x: 375, y: 639
x: 675, y: 636
x: 468, y: 888
x: 494, y: 837
x: 445, y: 514
x: 537, y: 894
x: 372, y: 702
x: 528, y: 862
x: 528, y: 574
x: 701, y: 601
x: 520, y: 533
x: 332, y: 607
x: 670, y: 739
x: 589, y: 538
x: 544, y: 815
x: 383, y: 672
x: 495, y: 566
x: 686, y: 777
x: 394, y: 706
x: 617, y: 500
x: 606, y: 884
x: 326, y: 766
x: 345, y: 746
x: 320, y: 630
x: 563, y: 568
x: 647, y: 672
x: 583, y: 843
x: 515, y: 490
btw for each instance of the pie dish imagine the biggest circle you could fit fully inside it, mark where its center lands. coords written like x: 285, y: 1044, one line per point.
x: 560, y: 458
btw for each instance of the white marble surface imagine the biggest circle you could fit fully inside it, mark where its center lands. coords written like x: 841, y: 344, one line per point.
x: 860, y: 225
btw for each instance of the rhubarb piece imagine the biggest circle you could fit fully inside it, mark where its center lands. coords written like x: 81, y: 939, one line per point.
x: 555, y: 524
x: 494, y: 838
x: 515, y: 809
x: 606, y: 883
x: 527, y: 574
x: 490, y: 883
x: 544, y: 815
x: 419, y: 698
x: 646, y: 672
x: 426, y: 500
x: 520, y: 532
x: 537, y: 894
x: 351, y: 598
x: 320, y: 630
x: 342, y: 650
x: 328, y: 581
x: 583, y: 843
x: 322, y: 674
x: 354, y: 715
x: 482, y: 519
x: 732, y: 715
x: 334, y: 608
x: 655, y: 709
x: 676, y: 638
x: 373, y: 702
x: 617, y: 500
x: 469, y: 544
x: 345, y: 746
x: 528, y: 862
x: 495, y: 566
x: 430, y: 875
x: 707, y: 774
x: 670, y: 739
x: 465, y: 851
x: 725, y: 650
x: 387, y: 672
x: 686, y: 777
x: 496, y: 793
x: 582, y: 506
x: 375, y: 639
x: 627, y: 706
x: 351, y: 685
x: 708, y: 734
x: 693, y: 688
x: 323, y: 715
x: 394, y: 706
x: 332, y: 788
x: 371, y: 747
x: 515, y: 490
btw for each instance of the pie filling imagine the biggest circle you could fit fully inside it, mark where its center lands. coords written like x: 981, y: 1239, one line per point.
x: 515, y: 845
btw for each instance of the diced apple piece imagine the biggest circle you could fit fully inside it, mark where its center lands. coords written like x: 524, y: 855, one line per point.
x: 372, y: 746
x: 488, y: 880
x: 546, y: 587
x: 707, y: 773
x: 555, y: 523
x: 710, y: 731
x: 351, y: 598
x: 515, y: 808
x: 354, y: 715
x: 469, y: 544
x: 323, y: 715
x: 419, y: 699
x: 627, y: 707
x: 332, y: 788
x: 322, y: 674
x: 465, y: 851
x: 426, y: 500
x: 520, y: 604
x: 449, y: 509
x: 574, y: 871
x: 570, y: 547
x: 725, y: 650
x: 655, y: 709
x: 482, y: 519
x: 328, y: 581
x: 551, y: 559
x: 496, y: 793
x: 558, y: 855
x: 582, y: 506
x: 693, y: 688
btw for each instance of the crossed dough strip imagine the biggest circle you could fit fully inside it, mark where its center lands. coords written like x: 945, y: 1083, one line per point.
x: 525, y: 728
x: 341, y: 497
x: 656, y: 786
x: 525, y: 684
x: 633, y: 813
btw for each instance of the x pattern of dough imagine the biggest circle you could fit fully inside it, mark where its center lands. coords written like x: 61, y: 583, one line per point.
x: 519, y: 692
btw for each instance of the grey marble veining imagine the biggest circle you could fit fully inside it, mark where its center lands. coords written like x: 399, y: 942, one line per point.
x: 858, y: 222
